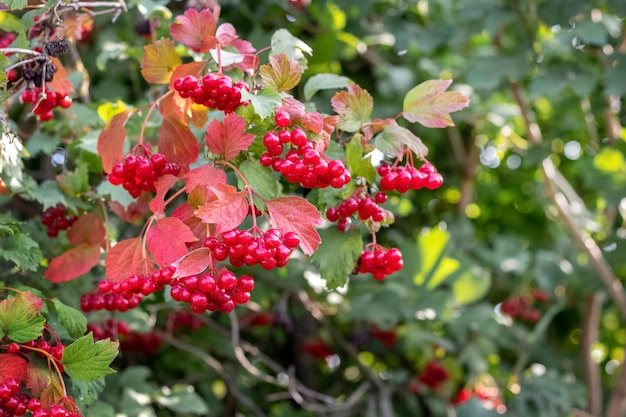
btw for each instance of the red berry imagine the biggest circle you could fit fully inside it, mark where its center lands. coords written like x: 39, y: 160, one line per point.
x: 282, y: 119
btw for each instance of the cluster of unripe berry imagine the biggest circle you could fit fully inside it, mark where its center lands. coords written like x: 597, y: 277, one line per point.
x: 379, y: 261
x: 55, y: 219
x: 15, y: 402
x: 138, y: 173
x: 521, y: 307
x: 213, y: 291
x: 125, y: 295
x: 44, y: 107
x: 403, y: 178
x: 364, y: 206
x: 302, y: 163
x: 216, y: 91
x: 270, y: 249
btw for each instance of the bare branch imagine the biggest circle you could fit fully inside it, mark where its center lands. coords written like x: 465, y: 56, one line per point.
x: 590, y: 336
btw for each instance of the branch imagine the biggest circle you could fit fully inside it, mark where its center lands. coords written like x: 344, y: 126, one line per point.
x: 617, y: 403
x: 592, y: 371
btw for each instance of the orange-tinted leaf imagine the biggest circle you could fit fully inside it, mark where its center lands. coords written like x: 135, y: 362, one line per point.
x: 354, y: 108
x: 59, y: 82
x: 87, y: 229
x: 193, y: 263
x: 159, y: 61
x: 127, y: 258
x: 13, y: 366
x: 111, y: 140
x: 178, y: 143
x: 73, y: 263
x: 229, y: 137
x: 195, y: 68
x: 295, y: 214
x: 430, y: 105
x: 52, y: 393
x: 204, y: 176
x: 281, y: 74
x: 166, y: 240
x: 185, y: 213
x: 195, y: 29
x: 227, y: 209
x: 162, y: 185
x: 76, y: 25
x: 313, y: 121
x: 184, y: 110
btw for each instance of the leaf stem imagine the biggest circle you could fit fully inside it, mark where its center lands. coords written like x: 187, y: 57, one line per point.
x: 247, y: 187
x: 51, y: 360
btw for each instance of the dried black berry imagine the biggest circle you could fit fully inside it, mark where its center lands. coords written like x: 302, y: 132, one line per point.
x: 56, y: 47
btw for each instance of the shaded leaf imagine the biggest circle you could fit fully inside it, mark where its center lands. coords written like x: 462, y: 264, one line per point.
x: 177, y: 143
x: 359, y: 166
x: 324, y: 82
x: 111, y: 140
x: 88, y: 229
x: 295, y: 214
x: 20, y: 320
x: 166, y: 240
x: 229, y: 137
x: 127, y: 258
x: 394, y: 138
x: 72, y: 319
x: 85, y: 360
x: 430, y: 105
x: 337, y: 255
x: 73, y: 263
x: 192, y: 263
x: 159, y: 61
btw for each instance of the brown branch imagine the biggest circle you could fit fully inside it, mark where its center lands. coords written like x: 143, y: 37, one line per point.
x: 617, y: 403
x: 590, y: 337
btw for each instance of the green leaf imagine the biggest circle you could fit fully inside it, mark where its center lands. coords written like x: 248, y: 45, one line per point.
x: 85, y: 360
x: 28, y: 17
x: 15, y: 4
x: 10, y: 23
x: 393, y: 138
x: 375, y: 307
x: 72, y: 319
x: 472, y: 285
x: 324, y: 82
x: 337, y: 255
x: 261, y: 179
x: 48, y: 194
x: 88, y: 392
x: 181, y: 399
x: 76, y: 182
x: 359, y: 166
x: 284, y: 42
x: 20, y: 320
x: 264, y: 103
x: 20, y: 249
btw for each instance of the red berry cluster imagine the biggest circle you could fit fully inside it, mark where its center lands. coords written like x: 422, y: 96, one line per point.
x: 388, y: 337
x: 318, y: 349
x: 138, y: 173
x: 111, y: 329
x: 522, y: 307
x: 404, y: 178
x: 55, y: 219
x: 44, y: 107
x: 269, y: 249
x: 213, y: 291
x: 7, y: 39
x: 364, y: 206
x: 125, y: 295
x: 183, y: 319
x: 302, y: 164
x: 41, y: 346
x: 15, y: 402
x: 433, y: 375
x: 216, y: 91
x: 380, y: 262
x: 146, y: 343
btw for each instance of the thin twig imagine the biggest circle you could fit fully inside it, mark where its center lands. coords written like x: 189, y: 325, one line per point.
x: 590, y: 337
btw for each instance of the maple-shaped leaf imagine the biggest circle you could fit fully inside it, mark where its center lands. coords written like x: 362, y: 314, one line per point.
x: 166, y: 240
x: 195, y: 29
x: 185, y: 213
x: 338, y: 255
x: 13, y: 366
x: 394, y: 138
x: 159, y: 61
x: 354, y: 108
x: 204, y: 176
x: 135, y: 210
x: 89, y: 229
x: 430, y: 105
x: 282, y: 74
x: 295, y: 214
x: 111, y: 140
x: 161, y: 185
x: 227, y: 209
x: 86, y: 361
x: 185, y: 111
x: 73, y: 263
x: 193, y: 263
x: 20, y: 319
x: 126, y: 258
x: 229, y: 137
x: 60, y: 84
x: 178, y: 143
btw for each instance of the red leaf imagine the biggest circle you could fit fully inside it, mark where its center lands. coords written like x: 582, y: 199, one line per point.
x: 193, y: 263
x: 127, y: 258
x: 111, y: 140
x: 162, y: 185
x: 87, y: 229
x: 204, y: 176
x: 227, y: 36
x: 13, y: 366
x: 195, y: 68
x: 37, y: 380
x: 227, y: 210
x: 185, y: 213
x: 159, y: 61
x: 295, y: 214
x: 73, y: 263
x: 228, y: 137
x: 135, y: 210
x: 313, y: 121
x: 354, y: 108
x: 166, y: 240
x: 177, y: 143
x: 195, y: 29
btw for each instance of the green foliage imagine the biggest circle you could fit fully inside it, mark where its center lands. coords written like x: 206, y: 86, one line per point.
x: 86, y: 361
